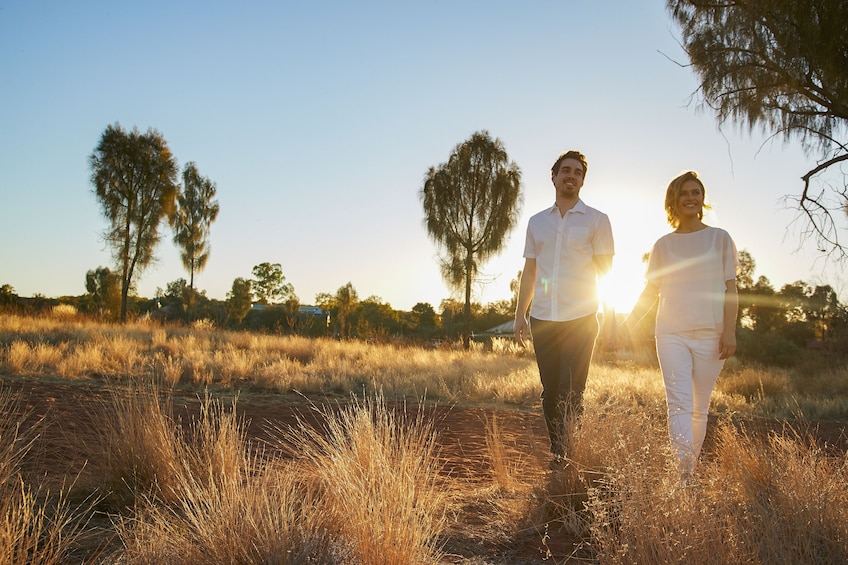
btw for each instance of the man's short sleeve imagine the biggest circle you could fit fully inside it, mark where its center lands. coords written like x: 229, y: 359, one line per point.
x: 529, y: 243
x: 603, y: 243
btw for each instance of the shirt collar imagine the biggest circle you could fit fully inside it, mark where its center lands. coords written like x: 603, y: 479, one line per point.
x: 579, y: 208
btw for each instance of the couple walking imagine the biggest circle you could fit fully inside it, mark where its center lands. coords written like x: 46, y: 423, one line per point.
x: 691, y: 271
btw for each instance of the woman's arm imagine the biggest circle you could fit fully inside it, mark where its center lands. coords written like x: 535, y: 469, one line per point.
x: 727, y: 342
x: 643, y: 304
x: 646, y: 300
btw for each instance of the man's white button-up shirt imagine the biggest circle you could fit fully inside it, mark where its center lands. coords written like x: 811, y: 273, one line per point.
x: 566, y: 286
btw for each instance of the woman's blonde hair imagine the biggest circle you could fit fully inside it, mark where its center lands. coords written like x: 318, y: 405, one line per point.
x: 673, y: 193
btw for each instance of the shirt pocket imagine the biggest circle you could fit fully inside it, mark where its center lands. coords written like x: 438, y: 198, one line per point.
x: 577, y: 238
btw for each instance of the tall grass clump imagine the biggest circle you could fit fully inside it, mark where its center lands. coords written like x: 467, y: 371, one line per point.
x: 23, y: 358
x: 378, y: 479
x: 15, y: 441
x: 780, y: 499
x: 236, y: 504
x: 362, y: 489
x: 266, y: 516
x: 505, y: 473
x: 136, y: 450
x: 614, y: 449
x: 638, y: 508
x: 785, y: 497
x: 141, y: 451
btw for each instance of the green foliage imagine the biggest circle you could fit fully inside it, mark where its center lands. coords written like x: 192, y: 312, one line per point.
x: 283, y: 319
x: 759, y: 307
x: 238, y: 301
x: 269, y: 285
x: 767, y: 348
x: 493, y: 314
x: 452, y: 315
x: 376, y: 320
x: 104, y: 293
x: 798, y: 313
x: 747, y: 266
x: 425, y: 319
x: 828, y: 316
x: 175, y: 299
x: 135, y: 180
x: 781, y: 65
x: 342, y: 306
x: 8, y: 297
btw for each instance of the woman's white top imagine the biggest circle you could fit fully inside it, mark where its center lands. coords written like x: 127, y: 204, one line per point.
x: 690, y: 270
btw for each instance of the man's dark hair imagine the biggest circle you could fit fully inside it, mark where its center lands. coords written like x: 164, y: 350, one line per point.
x: 572, y: 154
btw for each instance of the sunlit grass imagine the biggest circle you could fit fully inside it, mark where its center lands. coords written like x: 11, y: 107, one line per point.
x: 70, y: 347
x: 377, y: 473
x: 367, y: 483
x: 40, y: 346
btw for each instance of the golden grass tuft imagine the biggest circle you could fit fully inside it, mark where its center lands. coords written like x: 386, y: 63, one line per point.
x: 137, y: 449
x: 235, y: 505
x: 378, y: 476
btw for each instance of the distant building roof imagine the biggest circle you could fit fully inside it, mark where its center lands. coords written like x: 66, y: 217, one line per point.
x: 503, y: 330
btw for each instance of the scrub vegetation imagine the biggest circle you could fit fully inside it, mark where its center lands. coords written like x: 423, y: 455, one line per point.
x: 361, y: 475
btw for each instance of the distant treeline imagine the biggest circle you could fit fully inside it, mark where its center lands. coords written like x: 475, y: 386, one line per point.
x: 776, y: 327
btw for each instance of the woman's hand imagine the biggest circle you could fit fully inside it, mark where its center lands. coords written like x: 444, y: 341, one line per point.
x: 727, y: 343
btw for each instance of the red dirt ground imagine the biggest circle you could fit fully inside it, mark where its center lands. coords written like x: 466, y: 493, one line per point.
x: 70, y: 407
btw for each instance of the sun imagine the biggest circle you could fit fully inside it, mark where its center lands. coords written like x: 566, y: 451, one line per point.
x: 621, y: 288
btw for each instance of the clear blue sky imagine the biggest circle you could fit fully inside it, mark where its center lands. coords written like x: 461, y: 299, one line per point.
x: 318, y: 121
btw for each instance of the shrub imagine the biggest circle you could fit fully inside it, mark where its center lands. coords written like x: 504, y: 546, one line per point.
x: 769, y: 349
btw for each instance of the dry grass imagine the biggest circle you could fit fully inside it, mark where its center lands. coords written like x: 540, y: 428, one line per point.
x: 70, y: 347
x: 365, y: 490
x: 377, y: 476
x: 204, y: 356
x: 36, y: 526
x: 366, y: 486
x: 233, y: 506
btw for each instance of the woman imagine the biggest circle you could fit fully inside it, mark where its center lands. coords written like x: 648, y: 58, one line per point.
x: 692, y: 271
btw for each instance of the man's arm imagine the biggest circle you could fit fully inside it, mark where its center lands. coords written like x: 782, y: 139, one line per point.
x: 525, y: 296
x: 603, y: 264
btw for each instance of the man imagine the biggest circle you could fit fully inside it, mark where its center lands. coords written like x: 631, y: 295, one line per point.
x: 568, y: 248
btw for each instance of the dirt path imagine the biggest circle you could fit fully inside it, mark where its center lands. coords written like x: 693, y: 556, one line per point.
x: 71, y: 407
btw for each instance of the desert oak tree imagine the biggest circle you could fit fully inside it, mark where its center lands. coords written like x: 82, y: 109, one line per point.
x: 781, y: 65
x: 135, y: 180
x: 196, y: 210
x: 470, y: 204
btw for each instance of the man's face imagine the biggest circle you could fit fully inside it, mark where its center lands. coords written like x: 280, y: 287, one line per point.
x: 569, y: 179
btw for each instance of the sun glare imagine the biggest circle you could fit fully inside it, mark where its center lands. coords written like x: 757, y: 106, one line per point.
x: 620, y: 288
x: 638, y: 220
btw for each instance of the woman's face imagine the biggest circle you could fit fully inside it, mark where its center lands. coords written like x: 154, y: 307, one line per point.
x: 690, y: 200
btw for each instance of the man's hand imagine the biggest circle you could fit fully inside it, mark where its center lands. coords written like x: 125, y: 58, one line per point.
x: 521, y: 330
